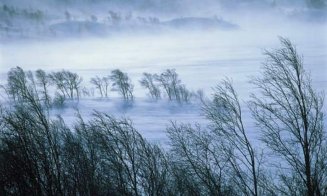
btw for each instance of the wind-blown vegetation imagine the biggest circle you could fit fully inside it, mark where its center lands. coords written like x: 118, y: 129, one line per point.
x: 167, y: 83
x: 105, y: 155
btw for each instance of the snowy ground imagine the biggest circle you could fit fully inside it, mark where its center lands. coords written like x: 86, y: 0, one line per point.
x: 201, y: 59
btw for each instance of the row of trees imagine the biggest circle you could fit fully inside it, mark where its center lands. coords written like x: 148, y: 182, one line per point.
x: 166, y: 84
x: 21, y: 85
x: 56, y: 87
x: 107, y: 156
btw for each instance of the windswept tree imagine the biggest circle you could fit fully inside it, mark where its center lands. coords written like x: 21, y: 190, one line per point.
x: 131, y: 165
x: 102, y: 84
x: 17, y: 84
x: 169, y: 81
x: 225, y: 115
x: 105, y: 156
x: 73, y: 82
x: 97, y: 82
x: 122, y: 83
x: 58, y: 79
x: 29, y: 144
x: 198, y: 166
x: 148, y: 82
x: 106, y: 85
x: 22, y: 87
x: 68, y: 83
x: 184, y: 95
x: 173, y: 86
x: 43, y: 81
x: 290, y: 114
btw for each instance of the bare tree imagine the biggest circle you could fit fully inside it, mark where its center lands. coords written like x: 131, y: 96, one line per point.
x: 225, y: 115
x: 73, y: 82
x: 133, y: 166
x: 30, y: 144
x: 183, y: 94
x: 97, y: 82
x: 102, y: 84
x: 17, y: 84
x: 290, y: 114
x: 106, y: 85
x: 148, y: 82
x: 68, y: 83
x: 122, y: 83
x: 58, y: 79
x: 43, y: 81
x: 197, y: 155
x: 173, y: 86
x: 169, y: 81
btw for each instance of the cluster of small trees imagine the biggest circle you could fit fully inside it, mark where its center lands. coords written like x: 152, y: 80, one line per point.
x: 68, y: 83
x: 102, y: 85
x: 118, y: 80
x: 107, y: 156
x: 166, y: 83
x: 21, y: 84
x: 122, y: 84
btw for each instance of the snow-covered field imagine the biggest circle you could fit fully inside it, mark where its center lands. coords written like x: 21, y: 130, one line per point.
x: 201, y: 58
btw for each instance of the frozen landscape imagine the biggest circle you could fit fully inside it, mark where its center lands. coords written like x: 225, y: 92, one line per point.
x: 204, y: 42
x: 201, y: 56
